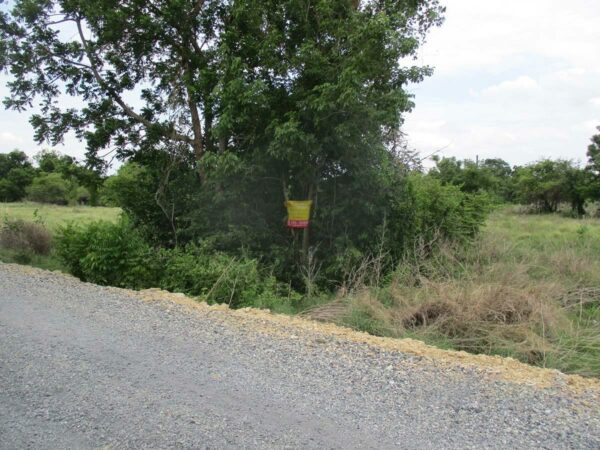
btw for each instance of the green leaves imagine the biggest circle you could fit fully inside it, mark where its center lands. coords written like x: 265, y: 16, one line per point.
x: 241, y: 64
x: 593, y: 154
x: 258, y: 98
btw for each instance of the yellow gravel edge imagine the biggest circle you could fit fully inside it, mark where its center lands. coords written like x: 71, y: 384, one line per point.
x: 505, y: 369
x: 502, y: 368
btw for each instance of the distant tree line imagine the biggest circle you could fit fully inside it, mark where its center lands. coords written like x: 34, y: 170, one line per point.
x: 544, y: 185
x: 50, y: 178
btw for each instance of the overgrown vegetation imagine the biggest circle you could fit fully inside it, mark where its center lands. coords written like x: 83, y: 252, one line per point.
x: 25, y: 239
x: 528, y: 288
x: 116, y: 254
x: 247, y: 105
x: 27, y: 229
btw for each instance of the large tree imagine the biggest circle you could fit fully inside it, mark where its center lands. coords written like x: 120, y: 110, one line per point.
x: 147, y: 72
x: 264, y: 99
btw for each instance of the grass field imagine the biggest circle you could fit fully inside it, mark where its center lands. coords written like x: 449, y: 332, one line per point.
x: 53, y: 216
x: 529, y: 287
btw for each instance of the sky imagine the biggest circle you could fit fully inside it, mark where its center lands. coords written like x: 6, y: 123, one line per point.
x: 515, y: 79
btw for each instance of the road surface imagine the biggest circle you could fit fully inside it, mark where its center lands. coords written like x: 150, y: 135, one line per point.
x: 84, y: 366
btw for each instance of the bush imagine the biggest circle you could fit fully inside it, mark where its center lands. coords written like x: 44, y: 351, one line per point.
x: 49, y: 188
x: 219, y: 278
x: 107, y: 253
x: 25, y: 238
x: 117, y: 255
x: 433, y: 212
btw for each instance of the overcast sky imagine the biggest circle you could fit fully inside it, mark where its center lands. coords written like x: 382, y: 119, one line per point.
x: 516, y: 79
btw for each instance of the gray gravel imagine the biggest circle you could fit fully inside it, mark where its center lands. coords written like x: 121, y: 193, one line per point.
x: 82, y: 366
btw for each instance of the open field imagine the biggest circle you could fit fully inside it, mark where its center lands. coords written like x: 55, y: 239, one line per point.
x: 529, y: 288
x: 52, y: 216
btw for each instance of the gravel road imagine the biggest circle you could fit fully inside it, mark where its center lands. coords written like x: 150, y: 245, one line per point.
x: 84, y: 366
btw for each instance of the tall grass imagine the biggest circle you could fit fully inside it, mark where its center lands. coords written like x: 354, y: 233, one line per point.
x: 528, y: 288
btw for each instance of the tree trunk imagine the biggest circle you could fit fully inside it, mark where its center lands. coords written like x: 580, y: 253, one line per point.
x: 306, y: 235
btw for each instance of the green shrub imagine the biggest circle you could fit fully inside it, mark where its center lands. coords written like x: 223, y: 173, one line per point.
x: 434, y: 212
x: 49, y: 188
x: 117, y: 255
x: 219, y: 278
x: 107, y: 253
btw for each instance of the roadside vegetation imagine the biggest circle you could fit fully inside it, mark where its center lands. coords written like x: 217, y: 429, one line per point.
x: 528, y: 287
x: 27, y: 230
x: 248, y: 105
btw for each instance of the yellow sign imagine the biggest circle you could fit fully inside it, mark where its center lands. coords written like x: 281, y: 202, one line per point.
x: 298, y: 213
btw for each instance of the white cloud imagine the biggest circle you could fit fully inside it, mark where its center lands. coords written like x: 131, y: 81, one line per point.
x: 513, y: 79
x: 572, y: 74
x: 520, y: 85
x: 8, y: 138
x: 429, y: 124
x: 490, y: 34
x: 588, y: 126
x: 427, y: 142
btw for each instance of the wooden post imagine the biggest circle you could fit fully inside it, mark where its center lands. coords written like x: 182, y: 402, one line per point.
x: 305, y: 234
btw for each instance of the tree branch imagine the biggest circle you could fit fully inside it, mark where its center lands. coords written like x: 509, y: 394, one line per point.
x: 197, y: 7
x: 67, y: 60
x: 57, y: 22
x: 174, y: 135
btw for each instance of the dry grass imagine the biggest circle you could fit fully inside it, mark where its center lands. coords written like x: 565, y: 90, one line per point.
x: 25, y: 237
x: 528, y: 288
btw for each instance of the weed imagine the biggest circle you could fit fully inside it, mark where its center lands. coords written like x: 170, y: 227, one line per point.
x: 25, y: 237
x: 527, y: 288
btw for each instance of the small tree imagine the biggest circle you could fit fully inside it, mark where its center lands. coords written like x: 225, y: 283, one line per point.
x: 492, y: 176
x: 49, y: 188
x: 593, y: 166
x: 546, y: 184
x: 16, y: 173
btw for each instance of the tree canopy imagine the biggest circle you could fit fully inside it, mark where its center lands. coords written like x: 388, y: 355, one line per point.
x: 229, y: 108
x: 16, y: 173
x: 302, y: 77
